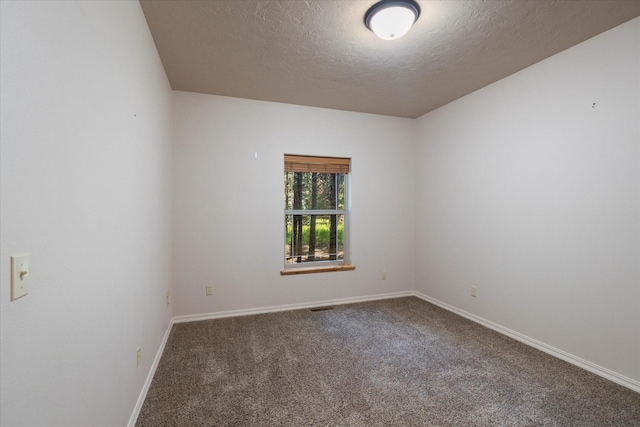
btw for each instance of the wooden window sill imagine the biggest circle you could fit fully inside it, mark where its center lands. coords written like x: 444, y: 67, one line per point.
x: 324, y: 269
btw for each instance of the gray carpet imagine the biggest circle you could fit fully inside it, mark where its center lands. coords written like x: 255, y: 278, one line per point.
x: 398, y: 362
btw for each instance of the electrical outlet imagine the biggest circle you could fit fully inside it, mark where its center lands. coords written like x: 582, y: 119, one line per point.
x: 138, y: 357
x: 474, y: 291
x: 209, y: 290
x: 384, y: 275
x: 167, y: 297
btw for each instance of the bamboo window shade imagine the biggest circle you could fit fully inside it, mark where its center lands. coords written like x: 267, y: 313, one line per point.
x: 316, y: 164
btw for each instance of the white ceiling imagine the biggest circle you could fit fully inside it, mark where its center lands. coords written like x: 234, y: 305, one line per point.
x: 319, y: 53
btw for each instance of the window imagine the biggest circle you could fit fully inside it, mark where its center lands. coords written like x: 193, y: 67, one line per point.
x: 316, y: 212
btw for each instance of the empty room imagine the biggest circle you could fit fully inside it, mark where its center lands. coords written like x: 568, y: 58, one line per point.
x: 319, y: 212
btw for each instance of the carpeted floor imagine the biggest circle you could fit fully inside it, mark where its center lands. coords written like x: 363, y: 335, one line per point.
x: 397, y: 362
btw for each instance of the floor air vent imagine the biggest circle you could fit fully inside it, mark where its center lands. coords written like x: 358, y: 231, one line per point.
x: 326, y: 307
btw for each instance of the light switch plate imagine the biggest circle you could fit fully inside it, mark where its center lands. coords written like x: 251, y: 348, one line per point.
x: 19, y: 276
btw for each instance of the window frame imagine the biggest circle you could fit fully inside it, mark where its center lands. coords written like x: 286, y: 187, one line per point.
x: 323, y: 265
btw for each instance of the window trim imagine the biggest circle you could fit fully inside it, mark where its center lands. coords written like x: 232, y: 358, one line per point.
x: 318, y: 269
x: 344, y: 165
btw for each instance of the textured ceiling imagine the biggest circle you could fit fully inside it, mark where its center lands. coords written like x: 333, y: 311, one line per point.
x: 319, y: 53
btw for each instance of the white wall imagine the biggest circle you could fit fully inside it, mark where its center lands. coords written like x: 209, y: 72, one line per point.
x: 524, y: 190
x: 228, y: 206
x: 86, y: 191
x: 530, y: 192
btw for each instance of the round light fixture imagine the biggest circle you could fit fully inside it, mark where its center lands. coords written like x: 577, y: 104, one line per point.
x: 391, y: 19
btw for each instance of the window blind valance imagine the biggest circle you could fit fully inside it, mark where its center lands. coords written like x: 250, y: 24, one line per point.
x: 316, y: 164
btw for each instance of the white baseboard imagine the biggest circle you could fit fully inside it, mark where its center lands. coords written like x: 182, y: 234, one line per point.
x: 147, y: 383
x: 560, y: 354
x: 287, y: 307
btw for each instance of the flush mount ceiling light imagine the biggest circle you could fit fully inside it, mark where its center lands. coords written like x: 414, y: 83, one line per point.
x: 391, y: 19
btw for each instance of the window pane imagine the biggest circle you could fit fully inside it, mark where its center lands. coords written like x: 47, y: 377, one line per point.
x: 314, y: 238
x: 310, y: 190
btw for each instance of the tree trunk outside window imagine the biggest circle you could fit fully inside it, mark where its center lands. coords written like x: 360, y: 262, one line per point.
x: 297, y: 219
x: 333, y: 224
x: 312, y: 224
